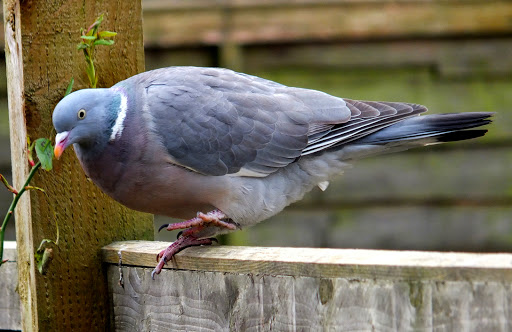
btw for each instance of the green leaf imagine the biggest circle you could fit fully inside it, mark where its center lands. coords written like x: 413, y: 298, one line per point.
x: 43, y: 260
x: 44, y: 151
x: 94, y: 27
x: 103, y: 42
x: 88, y: 37
x: 81, y: 46
x: 98, y: 20
x: 70, y: 87
x: 106, y: 34
x: 34, y: 188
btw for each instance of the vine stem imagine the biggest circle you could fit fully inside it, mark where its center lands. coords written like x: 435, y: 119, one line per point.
x: 13, y: 206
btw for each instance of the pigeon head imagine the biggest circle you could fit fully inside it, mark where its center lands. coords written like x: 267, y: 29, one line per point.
x: 86, y: 117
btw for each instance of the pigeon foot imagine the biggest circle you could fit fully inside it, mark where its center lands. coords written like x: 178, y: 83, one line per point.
x: 186, y: 240
x: 212, y: 218
x: 188, y: 237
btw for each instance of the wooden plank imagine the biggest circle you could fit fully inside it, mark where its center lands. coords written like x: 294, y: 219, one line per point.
x: 453, y: 58
x: 196, y: 301
x: 10, y: 315
x: 41, y: 59
x: 192, y: 4
x: 404, y: 227
x: 18, y: 135
x: 252, y: 289
x: 430, y: 176
x: 478, y: 58
x: 203, y: 26
x: 189, y: 22
x: 364, y: 20
x: 195, y: 56
x: 320, y: 262
x: 194, y: 22
x: 158, y: 5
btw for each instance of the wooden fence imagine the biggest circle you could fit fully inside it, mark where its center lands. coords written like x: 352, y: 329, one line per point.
x: 451, y: 55
x: 464, y: 64
x: 223, y: 288
x: 228, y: 288
x: 10, y: 313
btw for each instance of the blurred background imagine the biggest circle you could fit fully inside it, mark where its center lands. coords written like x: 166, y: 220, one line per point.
x: 451, y: 55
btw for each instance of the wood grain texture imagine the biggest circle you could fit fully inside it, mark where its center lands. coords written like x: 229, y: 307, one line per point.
x: 10, y: 315
x: 264, y: 298
x: 18, y: 136
x: 41, y: 59
x: 320, y: 262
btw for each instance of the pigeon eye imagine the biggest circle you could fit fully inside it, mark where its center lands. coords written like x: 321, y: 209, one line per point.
x: 81, y: 114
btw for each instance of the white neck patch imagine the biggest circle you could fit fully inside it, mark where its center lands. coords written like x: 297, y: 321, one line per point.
x: 117, y: 129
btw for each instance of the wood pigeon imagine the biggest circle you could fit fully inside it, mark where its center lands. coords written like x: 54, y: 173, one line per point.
x: 178, y: 140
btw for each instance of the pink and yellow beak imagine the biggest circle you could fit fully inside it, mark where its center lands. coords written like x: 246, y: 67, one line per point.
x: 60, y: 143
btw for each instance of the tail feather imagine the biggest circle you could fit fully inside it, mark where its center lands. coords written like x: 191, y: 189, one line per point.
x: 428, y: 129
x: 461, y: 135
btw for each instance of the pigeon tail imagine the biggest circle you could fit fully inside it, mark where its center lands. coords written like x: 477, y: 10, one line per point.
x: 430, y: 129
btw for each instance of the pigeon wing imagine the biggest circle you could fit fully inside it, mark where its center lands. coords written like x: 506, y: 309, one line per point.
x: 217, y: 122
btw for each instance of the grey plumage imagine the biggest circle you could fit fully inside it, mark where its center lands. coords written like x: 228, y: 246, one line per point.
x: 179, y: 140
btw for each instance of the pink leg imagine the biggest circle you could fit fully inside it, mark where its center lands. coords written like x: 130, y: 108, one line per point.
x: 189, y: 238
x: 186, y: 240
x: 213, y: 218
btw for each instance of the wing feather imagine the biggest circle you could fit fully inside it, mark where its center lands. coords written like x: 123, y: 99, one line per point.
x: 216, y: 122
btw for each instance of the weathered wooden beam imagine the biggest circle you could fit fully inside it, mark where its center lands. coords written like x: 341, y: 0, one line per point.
x: 429, y: 177
x: 10, y: 315
x: 252, y: 21
x: 449, y: 58
x: 230, y: 52
x: 244, y: 289
x: 41, y: 55
x: 409, y: 226
x: 320, y: 262
x: 192, y: 22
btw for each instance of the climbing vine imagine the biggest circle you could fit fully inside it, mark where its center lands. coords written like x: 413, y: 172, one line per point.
x: 89, y: 39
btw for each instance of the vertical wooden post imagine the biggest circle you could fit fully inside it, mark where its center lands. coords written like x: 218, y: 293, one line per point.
x: 230, y: 50
x: 41, y: 55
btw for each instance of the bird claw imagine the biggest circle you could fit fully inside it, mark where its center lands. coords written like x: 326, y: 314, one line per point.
x: 187, y: 237
x: 162, y: 227
x: 181, y: 243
